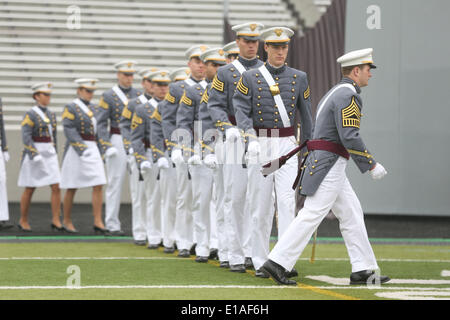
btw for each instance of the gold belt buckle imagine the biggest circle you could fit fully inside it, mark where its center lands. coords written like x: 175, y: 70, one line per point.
x: 274, y: 90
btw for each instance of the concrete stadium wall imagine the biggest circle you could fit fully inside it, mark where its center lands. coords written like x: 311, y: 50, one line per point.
x: 406, y: 105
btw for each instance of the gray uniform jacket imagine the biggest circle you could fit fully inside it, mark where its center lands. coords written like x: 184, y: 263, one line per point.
x: 111, y: 108
x: 141, y: 132
x: 125, y: 119
x: 187, y: 115
x: 339, y: 122
x: 255, y: 106
x: 220, y: 102
x: 34, y: 128
x: 77, y: 123
x: 3, y: 144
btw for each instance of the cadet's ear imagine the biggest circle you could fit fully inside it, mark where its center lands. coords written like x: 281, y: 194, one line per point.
x: 266, y: 47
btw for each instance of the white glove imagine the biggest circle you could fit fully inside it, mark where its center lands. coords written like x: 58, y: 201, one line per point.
x: 177, y: 156
x: 232, y: 133
x: 162, y: 163
x: 111, y: 152
x: 38, y: 158
x: 254, y: 148
x: 130, y: 150
x: 145, y: 166
x: 6, y: 156
x: 211, y: 161
x: 378, y: 172
x: 195, y: 160
x: 87, y: 153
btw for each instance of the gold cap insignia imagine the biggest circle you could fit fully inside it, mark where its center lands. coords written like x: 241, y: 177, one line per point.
x: 163, y: 74
x: 129, y: 64
x: 221, y: 52
x: 278, y: 32
x: 203, y: 48
x: 253, y: 26
x: 49, y: 85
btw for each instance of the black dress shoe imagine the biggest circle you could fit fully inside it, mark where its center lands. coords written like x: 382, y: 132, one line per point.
x: 169, y: 249
x: 192, y: 251
x: 237, y: 268
x: 184, y: 253
x: 277, y: 272
x: 261, y: 274
x: 140, y: 242
x: 103, y: 231
x: 224, y: 264
x: 248, y: 263
x: 69, y: 230
x: 153, y: 246
x: 292, y: 274
x: 56, y: 228
x: 22, y: 228
x: 117, y: 233
x: 367, y: 277
x: 201, y: 259
x: 213, y: 254
x: 4, y: 225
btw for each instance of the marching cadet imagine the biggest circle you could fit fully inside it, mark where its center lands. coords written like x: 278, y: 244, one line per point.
x: 184, y: 224
x: 145, y: 154
x: 111, y: 106
x: 82, y: 165
x: 231, y: 51
x: 4, y: 157
x: 202, y: 176
x: 265, y: 103
x: 323, y: 180
x: 220, y: 105
x: 160, y: 135
x: 39, y: 166
x: 138, y: 211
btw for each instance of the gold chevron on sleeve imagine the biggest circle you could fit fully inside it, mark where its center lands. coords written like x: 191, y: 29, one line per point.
x: 186, y: 100
x: 351, y: 115
x: 217, y: 84
x: 169, y: 98
x: 27, y: 121
x: 156, y: 115
x: 241, y: 87
x: 126, y: 113
x: 103, y: 104
x: 67, y: 114
x: 205, y: 97
x: 307, y: 93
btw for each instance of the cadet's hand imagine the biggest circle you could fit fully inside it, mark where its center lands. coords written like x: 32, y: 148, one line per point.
x: 163, y: 163
x: 87, y: 153
x: 38, y: 158
x: 145, y: 166
x: 232, y: 133
x: 177, y: 156
x: 111, y: 152
x: 254, y: 148
x: 195, y: 160
x: 211, y: 161
x: 6, y: 156
x: 130, y: 150
x: 378, y: 171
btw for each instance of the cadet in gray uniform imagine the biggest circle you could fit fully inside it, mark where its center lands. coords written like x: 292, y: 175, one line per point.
x: 111, y: 106
x: 4, y: 157
x: 202, y: 177
x: 220, y: 105
x: 323, y: 180
x: 82, y: 165
x: 39, y: 166
x: 265, y: 104
x: 145, y: 155
x: 138, y: 210
x: 160, y: 133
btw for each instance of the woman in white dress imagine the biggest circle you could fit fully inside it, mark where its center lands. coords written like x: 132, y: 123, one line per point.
x: 82, y: 165
x: 39, y: 166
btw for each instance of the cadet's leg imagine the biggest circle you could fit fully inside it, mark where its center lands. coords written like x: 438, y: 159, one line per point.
x: 67, y: 208
x: 97, y: 201
x: 56, y: 204
x: 347, y: 209
x: 24, y: 206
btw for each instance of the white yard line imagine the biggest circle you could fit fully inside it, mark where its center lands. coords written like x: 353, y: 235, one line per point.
x: 345, y: 281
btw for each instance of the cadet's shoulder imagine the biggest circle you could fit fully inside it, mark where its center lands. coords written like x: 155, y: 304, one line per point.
x: 301, y: 75
x: 135, y: 92
x: 70, y: 105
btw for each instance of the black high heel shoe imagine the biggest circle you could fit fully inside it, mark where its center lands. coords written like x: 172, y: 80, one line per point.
x: 103, y: 231
x: 22, y: 228
x: 55, y: 228
x: 69, y: 230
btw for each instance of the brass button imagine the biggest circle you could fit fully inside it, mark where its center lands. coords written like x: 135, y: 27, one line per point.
x: 257, y: 75
x: 259, y: 81
x: 293, y: 98
x: 259, y: 89
x: 293, y: 82
x: 276, y: 120
x: 276, y: 112
x: 315, y: 161
x: 235, y: 83
x: 258, y: 104
x: 234, y: 75
x: 293, y: 90
x: 311, y: 173
x: 277, y: 78
x: 313, y: 167
x: 290, y: 113
x: 259, y: 97
x: 300, y: 187
x: 259, y: 112
x: 370, y: 161
x: 261, y: 119
x: 292, y: 105
x: 295, y: 76
x: 275, y: 106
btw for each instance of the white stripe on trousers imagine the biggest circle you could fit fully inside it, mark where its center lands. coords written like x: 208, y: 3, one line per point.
x: 153, y: 204
x: 334, y: 193
x: 168, y: 187
x: 138, y: 219
x: 184, y: 224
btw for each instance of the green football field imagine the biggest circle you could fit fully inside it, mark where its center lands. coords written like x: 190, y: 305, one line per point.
x: 120, y: 270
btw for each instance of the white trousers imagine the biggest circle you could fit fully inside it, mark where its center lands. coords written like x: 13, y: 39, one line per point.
x: 138, y: 203
x: 115, y: 174
x: 202, y: 187
x: 4, y: 212
x: 153, y: 205
x: 261, y: 190
x: 184, y: 223
x: 236, y: 228
x: 213, y: 239
x: 168, y: 187
x: 219, y: 184
x: 334, y: 193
